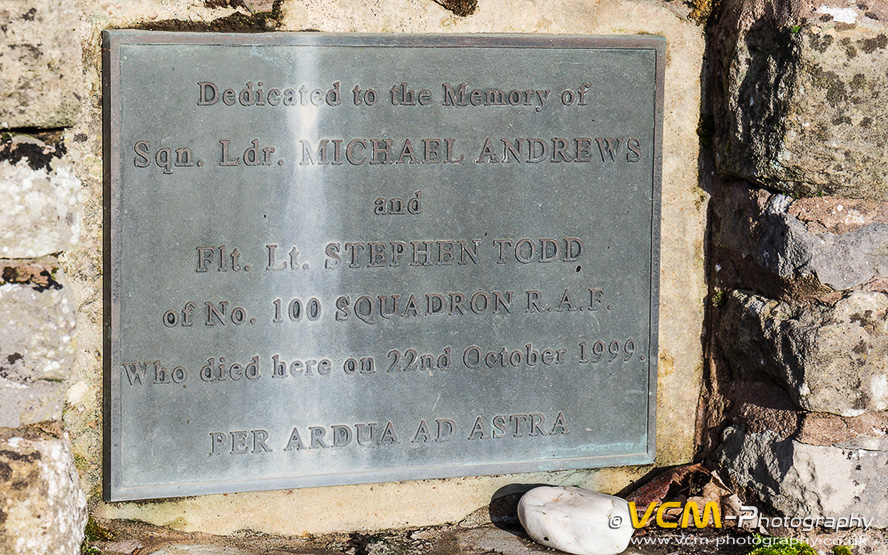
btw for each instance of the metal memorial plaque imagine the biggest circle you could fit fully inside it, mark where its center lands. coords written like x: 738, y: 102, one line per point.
x: 340, y: 259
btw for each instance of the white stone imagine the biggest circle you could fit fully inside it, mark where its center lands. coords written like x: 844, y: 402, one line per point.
x: 576, y: 520
x: 41, y: 209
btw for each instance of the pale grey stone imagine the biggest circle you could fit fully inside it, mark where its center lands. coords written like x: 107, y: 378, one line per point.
x: 803, y: 105
x: 576, y: 520
x: 31, y: 402
x: 41, y: 210
x: 801, y: 480
x: 37, y: 339
x: 42, y: 508
x: 839, y: 260
x: 841, y: 242
x: 868, y: 443
x: 37, y: 349
x: 830, y: 359
x: 40, y: 68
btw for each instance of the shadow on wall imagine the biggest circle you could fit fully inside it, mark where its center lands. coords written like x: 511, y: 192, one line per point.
x: 763, y: 94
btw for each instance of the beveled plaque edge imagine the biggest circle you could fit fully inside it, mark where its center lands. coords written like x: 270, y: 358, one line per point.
x: 656, y: 221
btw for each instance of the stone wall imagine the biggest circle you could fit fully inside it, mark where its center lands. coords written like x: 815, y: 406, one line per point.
x: 42, y: 507
x: 51, y: 350
x: 798, y: 386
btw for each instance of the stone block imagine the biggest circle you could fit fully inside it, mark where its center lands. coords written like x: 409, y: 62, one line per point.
x: 36, y: 352
x: 828, y: 358
x: 29, y: 403
x: 42, y: 508
x: 40, y: 69
x: 840, y: 260
x: 842, y: 243
x: 802, y: 109
x: 760, y: 407
x: 838, y: 215
x: 41, y: 210
x: 802, y: 480
x: 867, y: 431
x: 37, y: 342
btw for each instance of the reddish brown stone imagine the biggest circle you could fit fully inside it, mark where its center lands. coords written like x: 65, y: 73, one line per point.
x: 838, y: 215
x: 829, y: 429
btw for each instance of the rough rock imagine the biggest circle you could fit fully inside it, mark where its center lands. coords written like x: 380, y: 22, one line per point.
x: 840, y: 260
x: 838, y: 215
x: 42, y: 508
x: 39, y: 63
x: 830, y: 359
x: 764, y: 406
x: 39, y: 272
x: 575, y: 520
x: 870, y: 430
x: 802, y: 480
x: 25, y: 404
x: 41, y: 210
x: 36, y: 352
x: 802, y: 97
x: 781, y: 247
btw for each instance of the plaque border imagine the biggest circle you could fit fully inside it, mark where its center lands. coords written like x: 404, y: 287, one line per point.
x: 112, y: 40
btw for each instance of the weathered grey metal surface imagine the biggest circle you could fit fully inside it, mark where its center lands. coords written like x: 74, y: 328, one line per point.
x: 260, y: 261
